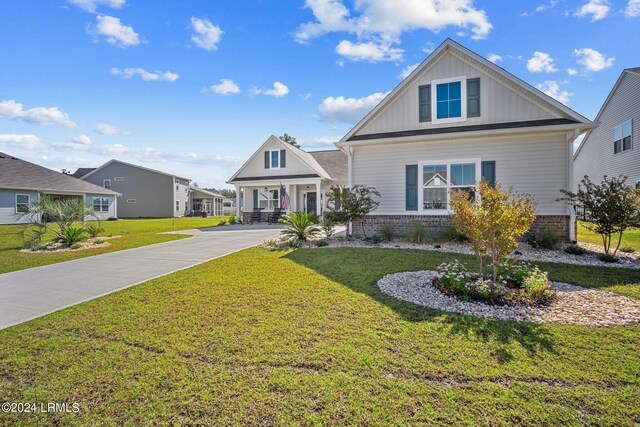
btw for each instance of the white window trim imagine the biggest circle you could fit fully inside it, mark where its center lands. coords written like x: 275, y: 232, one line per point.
x: 463, y: 100
x: 449, y: 162
x: 277, y: 199
x: 93, y: 204
x: 132, y: 201
x: 104, y: 184
x: 621, y: 125
x: 119, y: 178
x: 16, y: 204
x: 177, y: 205
x: 279, y: 160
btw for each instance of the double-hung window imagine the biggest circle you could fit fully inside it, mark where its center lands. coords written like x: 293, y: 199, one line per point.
x: 275, y: 159
x: 100, y: 204
x: 439, y: 179
x: 22, y: 203
x: 106, y: 183
x: 622, y: 137
x: 269, y: 199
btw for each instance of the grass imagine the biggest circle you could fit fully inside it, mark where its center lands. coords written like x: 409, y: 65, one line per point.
x: 630, y: 238
x: 134, y: 232
x: 305, y: 338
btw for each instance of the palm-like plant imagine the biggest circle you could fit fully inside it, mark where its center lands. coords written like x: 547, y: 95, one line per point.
x: 299, y: 225
x: 70, y: 235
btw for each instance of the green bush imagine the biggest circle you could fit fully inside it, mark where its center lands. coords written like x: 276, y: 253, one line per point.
x: 608, y: 258
x: 75, y: 246
x: 328, y: 226
x: 537, y: 286
x: 299, y: 225
x: 93, y: 229
x: 70, y: 235
x: 387, y: 232
x: 549, y: 239
x: 418, y: 233
x: 222, y: 222
x: 449, y: 234
x: 574, y: 250
x: 99, y: 241
x: 34, y: 245
x: 627, y: 249
x: 321, y: 243
x: 233, y: 219
x: 376, y: 240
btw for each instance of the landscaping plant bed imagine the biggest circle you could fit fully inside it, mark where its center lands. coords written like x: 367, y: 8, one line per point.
x: 98, y: 242
x: 571, y: 304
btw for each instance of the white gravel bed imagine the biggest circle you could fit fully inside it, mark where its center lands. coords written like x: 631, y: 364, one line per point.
x: 526, y: 252
x: 573, y: 304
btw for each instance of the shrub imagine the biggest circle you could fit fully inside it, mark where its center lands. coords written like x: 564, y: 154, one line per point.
x: 627, y: 249
x: 351, y: 204
x: 387, y: 232
x: 328, y: 227
x: 537, y: 286
x: 99, y: 241
x: 35, y: 246
x: 612, y: 206
x: 418, y: 233
x: 574, y: 250
x: 233, y: 219
x: 299, y: 225
x: 70, y: 235
x: 75, y: 246
x: 294, y: 244
x: 549, y: 239
x: 449, y: 234
x: 321, y: 243
x: 608, y: 258
x: 493, y: 223
x: 376, y: 240
x: 93, y: 229
x: 454, y: 275
x: 222, y: 222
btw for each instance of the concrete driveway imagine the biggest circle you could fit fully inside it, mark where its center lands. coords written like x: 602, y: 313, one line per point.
x: 31, y: 293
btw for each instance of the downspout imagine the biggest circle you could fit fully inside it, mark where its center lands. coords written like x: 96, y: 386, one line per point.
x: 572, y: 214
x: 350, y: 180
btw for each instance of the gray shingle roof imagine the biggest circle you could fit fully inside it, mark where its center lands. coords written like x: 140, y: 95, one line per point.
x: 19, y: 174
x: 334, y: 162
x: 80, y: 172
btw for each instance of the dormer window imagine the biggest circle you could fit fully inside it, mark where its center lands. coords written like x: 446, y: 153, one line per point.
x: 275, y: 159
x: 449, y: 100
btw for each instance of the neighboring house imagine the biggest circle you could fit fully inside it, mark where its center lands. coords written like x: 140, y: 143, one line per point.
x: 611, y: 148
x: 305, y: 177
x: 21, y: 183
x: 458, y: 118
x: 229, y: 207
x: 204, y: 201
x: 146, y: 193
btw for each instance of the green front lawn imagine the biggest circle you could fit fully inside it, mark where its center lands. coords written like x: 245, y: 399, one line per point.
x: 134, y: 232
x: 305, y: 338
x: 631, y: 238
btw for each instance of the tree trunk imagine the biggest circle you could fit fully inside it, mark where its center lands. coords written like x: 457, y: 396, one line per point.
x: 619, y: 241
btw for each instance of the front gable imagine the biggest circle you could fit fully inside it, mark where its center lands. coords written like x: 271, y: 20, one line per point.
x: 296, y: 163
x: 491, y: 95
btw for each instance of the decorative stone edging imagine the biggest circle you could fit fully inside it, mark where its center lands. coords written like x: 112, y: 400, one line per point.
x: 573, y: 304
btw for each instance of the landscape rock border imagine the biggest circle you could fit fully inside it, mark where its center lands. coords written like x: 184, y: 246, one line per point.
x: 573, y: 304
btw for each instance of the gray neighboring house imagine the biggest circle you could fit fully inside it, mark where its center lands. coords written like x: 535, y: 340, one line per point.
x: 146, y: 193
x: 21, y: 183
x: 610, y: 149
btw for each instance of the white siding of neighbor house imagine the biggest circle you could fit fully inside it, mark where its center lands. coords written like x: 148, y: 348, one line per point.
x: 499, y: 99
x: 530, y: 164
x: 181, y: 195
x: 294, y: 164
x: 596, y: 157
x: 88, y: 199
x: 8, y: 213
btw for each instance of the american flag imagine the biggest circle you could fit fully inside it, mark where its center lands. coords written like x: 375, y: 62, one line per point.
x: 284, y: 198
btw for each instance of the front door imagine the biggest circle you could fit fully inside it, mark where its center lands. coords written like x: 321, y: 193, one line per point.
x: 311, y: 201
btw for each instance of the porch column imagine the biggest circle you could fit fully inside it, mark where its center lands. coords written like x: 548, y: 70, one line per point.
x: 318, y: 189
x: 293, y: 195
x: 238, y: 208
x: 288, y: 190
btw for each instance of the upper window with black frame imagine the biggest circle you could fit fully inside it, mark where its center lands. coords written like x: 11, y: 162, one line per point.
x: 622, y: 137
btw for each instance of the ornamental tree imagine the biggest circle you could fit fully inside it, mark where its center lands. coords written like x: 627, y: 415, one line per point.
x: 612, y: 207
x: 493, y: 222
x: 351, y: 204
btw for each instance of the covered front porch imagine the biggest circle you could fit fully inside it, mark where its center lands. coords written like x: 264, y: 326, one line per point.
x: 264, y: 200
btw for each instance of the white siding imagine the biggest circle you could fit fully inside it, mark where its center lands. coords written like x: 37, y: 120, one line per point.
x: 499, y: 103
x: 535, y: 165
x: 294, y: 164
x: 596, y: 158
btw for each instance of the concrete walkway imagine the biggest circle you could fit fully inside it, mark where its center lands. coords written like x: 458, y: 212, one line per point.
x: 31, y: 293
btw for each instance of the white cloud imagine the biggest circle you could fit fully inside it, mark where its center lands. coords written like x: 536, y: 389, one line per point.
x: 107, y: 129
x: 368, y: 51
x: 82, y: 139
x: 147, y: 76
x: 324, y: 141
x: 10, y: 109
x: 572, y: 71
x: 279, y: 90
x: 115, y: 32
x: 592, y: 60
x: 541, y: 62
x: 349, y: 110
x: 408, y: 70
x: 206, y: 35
x: 552, y: 88
x: 541, y: 8
x: 633, y: 9
x: 93, y: 5
x: 225, y: 87
x: 383, y: 22
x: 24, y: 141
x: 494, y: 57
x: 598, y: 9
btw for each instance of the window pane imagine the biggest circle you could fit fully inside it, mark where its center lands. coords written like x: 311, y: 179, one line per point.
x: 617, y: 145
x: 626, y: 129
x: 22, y: 198
x: 617, y: 133
x: 626, y: 143
x: 435, y: 198
x: 454, y: 90
x: 434, y: 176
x: 463, y: 174
x: 442, y: 92
x: 471, y: 191
x: 455, y: 108
x: 274, y: 159
x: 443, y: 109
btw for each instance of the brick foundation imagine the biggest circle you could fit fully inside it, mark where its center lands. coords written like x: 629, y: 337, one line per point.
x: 264, y: 217
x: 402, y: 224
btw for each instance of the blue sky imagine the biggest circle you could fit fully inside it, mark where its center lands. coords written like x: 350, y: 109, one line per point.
x: 194, y: 87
